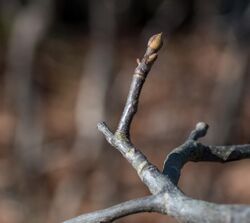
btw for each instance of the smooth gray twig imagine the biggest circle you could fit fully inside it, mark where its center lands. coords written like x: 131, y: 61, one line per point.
x: 194, y: 151
x: 140, y: 74
x: 145, y: 204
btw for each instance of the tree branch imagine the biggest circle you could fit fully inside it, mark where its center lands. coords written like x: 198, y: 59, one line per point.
x: 194, y: 151
x: 145, y: 204
x: 167, y: 198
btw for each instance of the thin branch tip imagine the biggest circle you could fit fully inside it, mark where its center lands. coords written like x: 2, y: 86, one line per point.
x: 202, y: 126
x: 199, y: 131
x: 101, y: 124
x: 103, y: 128
x: 141, y: 71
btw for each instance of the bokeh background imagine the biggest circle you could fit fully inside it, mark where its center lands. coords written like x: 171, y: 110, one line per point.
x: 66, y: 65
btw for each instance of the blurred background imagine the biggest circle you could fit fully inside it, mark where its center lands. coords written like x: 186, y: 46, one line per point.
x: 66, y: 65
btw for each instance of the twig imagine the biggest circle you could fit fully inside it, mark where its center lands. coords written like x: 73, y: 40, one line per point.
x: 140, y: 74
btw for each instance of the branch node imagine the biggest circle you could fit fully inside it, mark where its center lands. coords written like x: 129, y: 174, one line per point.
x: 121, y: 136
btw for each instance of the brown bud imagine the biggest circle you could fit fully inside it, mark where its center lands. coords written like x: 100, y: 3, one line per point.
x: 155, y: 42
x: 152, y: 58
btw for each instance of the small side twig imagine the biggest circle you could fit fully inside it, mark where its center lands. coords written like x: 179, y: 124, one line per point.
x: 194, y: 151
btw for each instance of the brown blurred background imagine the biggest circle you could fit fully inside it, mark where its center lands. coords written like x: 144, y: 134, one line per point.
x: 66, y: 65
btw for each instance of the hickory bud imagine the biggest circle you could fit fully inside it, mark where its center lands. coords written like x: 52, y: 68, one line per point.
x: 155, y: 42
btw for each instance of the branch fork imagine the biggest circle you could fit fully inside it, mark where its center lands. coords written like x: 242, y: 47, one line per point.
x: 166, y: 197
